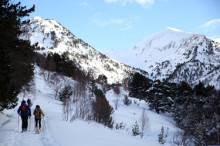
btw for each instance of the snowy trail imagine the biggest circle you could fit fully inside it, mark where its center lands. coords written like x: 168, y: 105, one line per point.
x: 10, y: 132
x: 7, y: 131
x: 11, y: 135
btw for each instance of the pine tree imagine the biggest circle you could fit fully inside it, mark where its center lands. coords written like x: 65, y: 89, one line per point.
x: 135, y: 129
x: 138, y: 85
x: 199, y: 89
x: 126, y: 100
x: 198, y: 115
x: 16, y: 56
x: 65, y: 93
x: 101, y: 109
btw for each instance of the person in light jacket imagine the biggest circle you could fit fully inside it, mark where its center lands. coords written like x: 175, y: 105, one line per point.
x: 37, y: 113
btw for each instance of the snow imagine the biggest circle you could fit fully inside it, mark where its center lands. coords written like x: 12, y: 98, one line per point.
x: 163, y: 38
x: 162, y: 53
x: 54, y: 38
x: 156, y: 48
x: 57, y: 132
x: 217, y: 40
x: 4, y: 119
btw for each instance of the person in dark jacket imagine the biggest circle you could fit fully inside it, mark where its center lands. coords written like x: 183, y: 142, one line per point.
x: 24, y: 111
x: 29, y: 103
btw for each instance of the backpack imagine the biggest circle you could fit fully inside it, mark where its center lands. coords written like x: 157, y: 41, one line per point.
x: 23, y: 108
x: 37, y: 113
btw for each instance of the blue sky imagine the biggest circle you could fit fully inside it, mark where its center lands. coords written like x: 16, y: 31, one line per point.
x: 120, y: 24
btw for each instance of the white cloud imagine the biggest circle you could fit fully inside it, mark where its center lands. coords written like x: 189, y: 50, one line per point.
x: 144, y: 3
x: 123, y: 23
x: 84, y: 4
x: 117, y: 21
x: 110, y: 1
x: 212, y: 23
x: 97, y: 20
x: 211, y: 28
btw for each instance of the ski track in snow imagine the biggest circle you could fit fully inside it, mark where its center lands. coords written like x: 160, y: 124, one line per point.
x: 10, y: 130
x: 11, y: 135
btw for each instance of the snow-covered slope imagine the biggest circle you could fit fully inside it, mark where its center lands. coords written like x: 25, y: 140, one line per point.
x: 58, y: 132
x: 217, y: 40
x: 177, y: 56
x: 53, y: 37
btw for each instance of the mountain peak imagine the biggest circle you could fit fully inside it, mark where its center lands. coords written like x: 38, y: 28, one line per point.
x: 173, y: 29
x: 36, y: 18
x: 172, y: 32
x: 162, y: 38
x: 52, y: 37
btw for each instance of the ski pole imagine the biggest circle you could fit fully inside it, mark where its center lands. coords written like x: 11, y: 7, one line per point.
x: 18, y: 122
x: 29, y: 123
x: 44, y: 123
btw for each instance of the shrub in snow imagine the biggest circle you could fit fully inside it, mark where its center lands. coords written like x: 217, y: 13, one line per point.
x: 56, y: 84
x: 116, y: 88
x: 82, y: 102
x: 120, y: 126
x: 135, y: 129
x: 64, y: 96
x: 144, y: 121
x: 126, y: 100
x: 161, y: 136
x: 182, y: 138
x: 116, y: 102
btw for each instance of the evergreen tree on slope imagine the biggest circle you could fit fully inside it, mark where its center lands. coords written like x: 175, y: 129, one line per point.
x: 16, y: 56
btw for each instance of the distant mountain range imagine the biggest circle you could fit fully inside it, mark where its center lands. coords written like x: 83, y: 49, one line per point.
x: 174, y: 55
x: 171, y: 55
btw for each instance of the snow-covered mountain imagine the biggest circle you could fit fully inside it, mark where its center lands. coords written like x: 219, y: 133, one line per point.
x: 175, y: 55
x: 217, y: 40
x: 171, y: 54
x: 52, y: 37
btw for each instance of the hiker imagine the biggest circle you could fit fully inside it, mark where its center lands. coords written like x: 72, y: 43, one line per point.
x: 24, y: 111
x: 37, y: 113
x: 29, y: 102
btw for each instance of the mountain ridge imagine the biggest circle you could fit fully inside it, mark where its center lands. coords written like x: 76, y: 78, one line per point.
x: 52, y: 37
x: 175, y: 56
x: 171, y: 55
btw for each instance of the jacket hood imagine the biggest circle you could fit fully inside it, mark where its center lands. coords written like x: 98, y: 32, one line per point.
x: 23, y: 102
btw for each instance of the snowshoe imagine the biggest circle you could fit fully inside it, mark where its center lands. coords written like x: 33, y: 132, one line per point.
x: 37, y: 130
